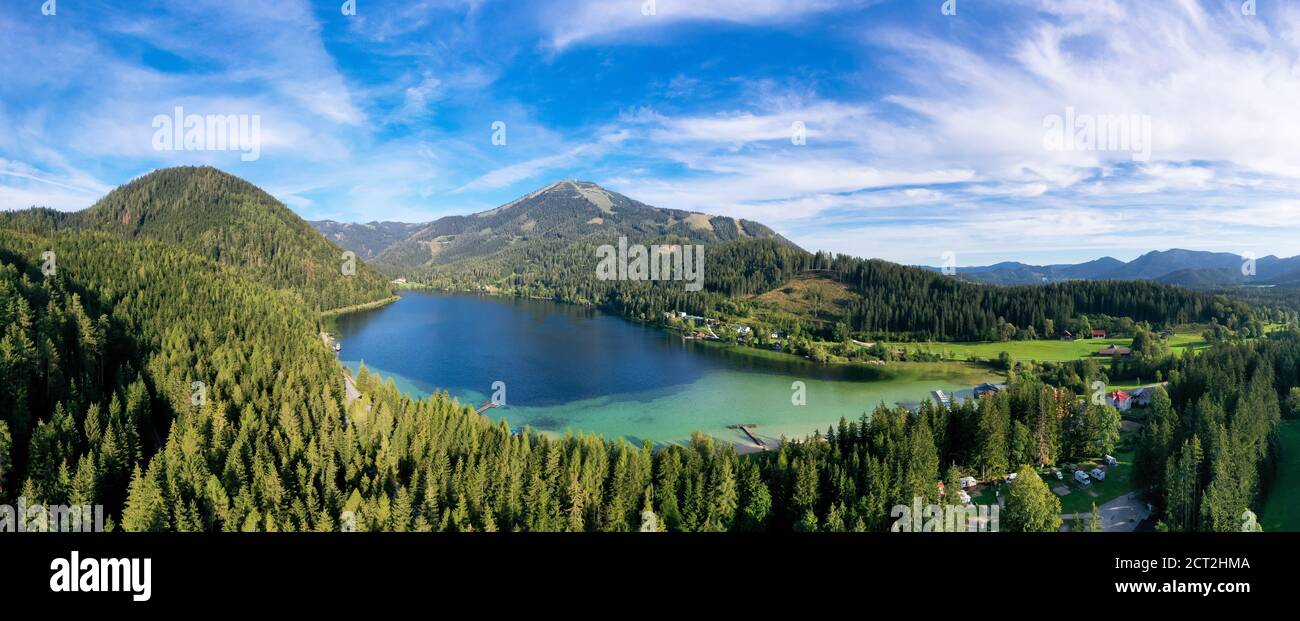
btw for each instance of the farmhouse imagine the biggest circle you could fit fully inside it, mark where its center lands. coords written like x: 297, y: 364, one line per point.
x: 1098, y: 334
x: 986, y: 389
x: 1121, y: 400
x: 1115, y: 351
x: 1142, y: 396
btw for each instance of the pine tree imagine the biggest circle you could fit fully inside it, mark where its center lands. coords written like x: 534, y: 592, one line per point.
x: 1031, y: 507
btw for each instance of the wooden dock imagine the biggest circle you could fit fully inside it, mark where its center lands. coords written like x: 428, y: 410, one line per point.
x: 746, y: 428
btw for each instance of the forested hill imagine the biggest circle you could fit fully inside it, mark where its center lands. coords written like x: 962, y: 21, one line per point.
x: 224, y: 218
x: 889, y: 301
x: 899, y: 301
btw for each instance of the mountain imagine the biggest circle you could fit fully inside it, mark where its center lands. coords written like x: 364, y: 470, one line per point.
x: 565, y: 212
x: 1188, y: 268
x: 1013, y: 273
x: 368, y: 239
x: 1153, y: 265
x: 228, y: 220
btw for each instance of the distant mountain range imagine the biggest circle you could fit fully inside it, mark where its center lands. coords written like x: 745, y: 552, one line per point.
x: 1187, y: 268
x: 565, y: 212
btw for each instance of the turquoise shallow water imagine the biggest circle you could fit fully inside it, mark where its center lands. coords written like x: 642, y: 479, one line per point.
x: 566, y: 367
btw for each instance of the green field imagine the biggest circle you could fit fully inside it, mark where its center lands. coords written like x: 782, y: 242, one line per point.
x: 1282, y: 509
x: 1043, y: 350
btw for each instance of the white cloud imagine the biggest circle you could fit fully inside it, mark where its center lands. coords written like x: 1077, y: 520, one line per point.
x: 598, y: 20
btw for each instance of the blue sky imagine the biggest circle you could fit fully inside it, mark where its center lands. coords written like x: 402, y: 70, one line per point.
x: 926, y: 133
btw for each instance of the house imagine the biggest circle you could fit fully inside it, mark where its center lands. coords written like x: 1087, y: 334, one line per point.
x: 986, y: 389
x: 1098, y: 334
x: 1115, y: 351
x: 743, y: 330
x: 1121, y: 400
x: 1099, y: 474
x: 1067, y: 336
x: 1082, y: 477
x: 1142, y: 396
x: 968, y: 482
x: 1111, y: 461
x: 399, y: 281
x: 941, y: 398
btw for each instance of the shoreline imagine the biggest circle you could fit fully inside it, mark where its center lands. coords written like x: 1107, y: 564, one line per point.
x: 335, y: 312
x: 963, y: 374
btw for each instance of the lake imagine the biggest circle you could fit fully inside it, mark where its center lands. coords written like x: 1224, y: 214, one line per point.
x: 568, y: 367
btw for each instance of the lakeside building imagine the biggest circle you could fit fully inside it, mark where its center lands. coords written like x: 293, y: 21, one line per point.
x: 1120, y: 400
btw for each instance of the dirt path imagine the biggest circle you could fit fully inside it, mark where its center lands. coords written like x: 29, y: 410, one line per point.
x: 350, y: 392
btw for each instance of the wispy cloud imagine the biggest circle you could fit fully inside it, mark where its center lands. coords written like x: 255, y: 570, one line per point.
x: 873, y: 128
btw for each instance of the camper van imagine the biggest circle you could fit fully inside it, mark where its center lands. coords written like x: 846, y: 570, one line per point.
x: 1082, y: 477
x: 1099, y: 474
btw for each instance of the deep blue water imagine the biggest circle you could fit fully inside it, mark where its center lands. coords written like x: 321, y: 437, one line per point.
x: 546, y: 353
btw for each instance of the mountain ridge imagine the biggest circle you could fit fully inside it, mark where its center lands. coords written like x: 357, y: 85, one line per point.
x: 568, y: 210
x: 1175, y: 266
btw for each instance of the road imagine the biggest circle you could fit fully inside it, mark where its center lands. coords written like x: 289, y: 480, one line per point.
x: 1119, y: 515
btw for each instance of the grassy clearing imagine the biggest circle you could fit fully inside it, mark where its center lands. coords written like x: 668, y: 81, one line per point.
x: 1043, y: 350
x: 1282, y: 509
x: 1077, y: 498
x: 807, y: 296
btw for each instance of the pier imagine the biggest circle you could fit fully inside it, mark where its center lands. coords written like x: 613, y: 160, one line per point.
x: 753, y: 438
